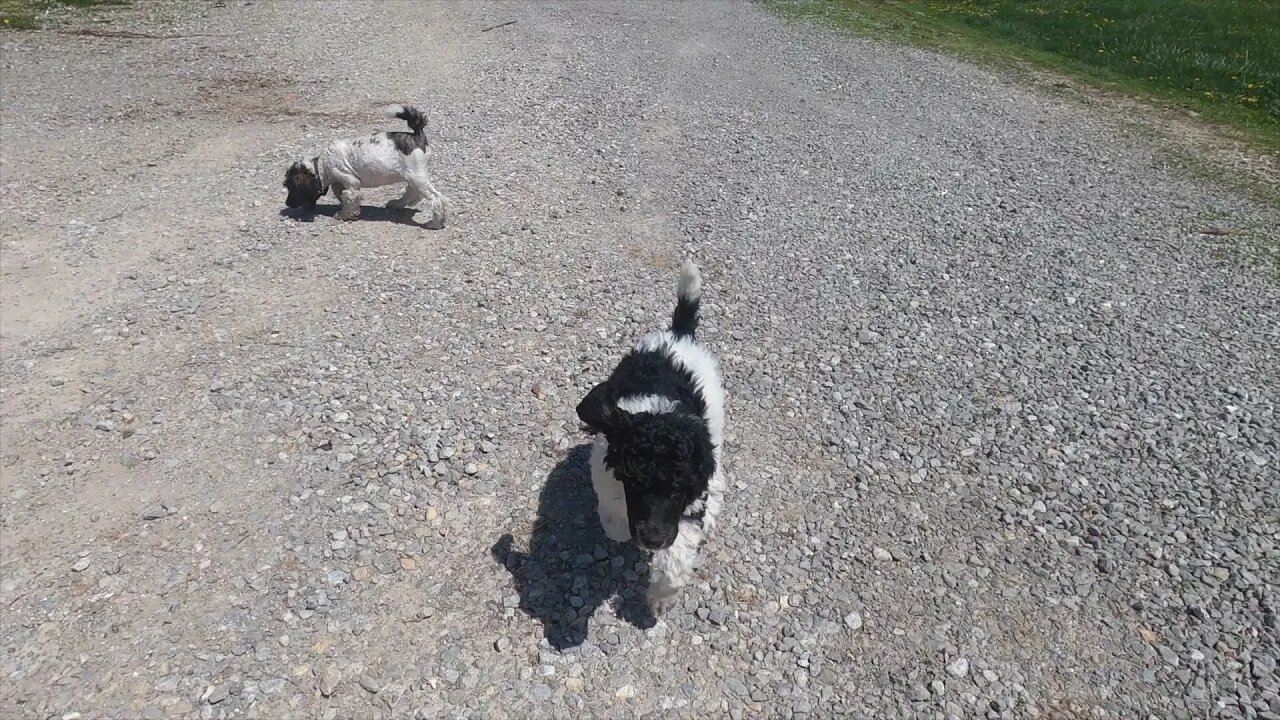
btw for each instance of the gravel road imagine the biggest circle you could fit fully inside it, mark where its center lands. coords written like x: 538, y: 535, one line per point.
x: 1002, y: 420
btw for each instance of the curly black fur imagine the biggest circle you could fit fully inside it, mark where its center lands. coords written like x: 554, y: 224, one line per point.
x: 304, y: 186
x: 664, y: 460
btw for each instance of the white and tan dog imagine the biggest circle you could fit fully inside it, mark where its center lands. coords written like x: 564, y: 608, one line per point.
x: 384, y: 158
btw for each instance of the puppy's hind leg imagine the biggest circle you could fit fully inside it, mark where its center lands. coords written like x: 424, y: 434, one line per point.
x: 410, y: 198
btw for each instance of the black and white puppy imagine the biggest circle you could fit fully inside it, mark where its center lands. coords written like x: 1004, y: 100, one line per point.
x: 384, y: 158
x: 655, y: 462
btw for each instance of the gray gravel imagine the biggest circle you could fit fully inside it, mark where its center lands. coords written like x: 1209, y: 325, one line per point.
x: 1002, y: 420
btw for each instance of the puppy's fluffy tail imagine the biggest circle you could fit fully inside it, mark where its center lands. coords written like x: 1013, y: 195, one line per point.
x: 410, y: 114
x: 684, y: 321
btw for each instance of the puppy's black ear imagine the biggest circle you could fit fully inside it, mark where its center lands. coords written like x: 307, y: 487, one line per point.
x: 597, y: 411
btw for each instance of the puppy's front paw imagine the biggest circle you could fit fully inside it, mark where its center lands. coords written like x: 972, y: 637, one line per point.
x: 662, y: 598
x: 346, y: 216
x: 435, y: 224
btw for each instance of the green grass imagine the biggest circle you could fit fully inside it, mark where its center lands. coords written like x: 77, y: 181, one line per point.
x: 1219, y: 58
x: 26, y: 14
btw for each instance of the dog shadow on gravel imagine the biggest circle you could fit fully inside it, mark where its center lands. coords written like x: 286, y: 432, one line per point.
x: 571, y: 568
x: 375, y: 213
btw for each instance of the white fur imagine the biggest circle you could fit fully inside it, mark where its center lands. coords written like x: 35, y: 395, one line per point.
x: 348, y: 167
x: 611, y: 497
x: 673, y: 568
x: 690, y: 286
x: 647, y: 403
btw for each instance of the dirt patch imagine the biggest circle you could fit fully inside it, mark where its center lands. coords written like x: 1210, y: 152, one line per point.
x: 1221, y: 151
x: 249, y: 96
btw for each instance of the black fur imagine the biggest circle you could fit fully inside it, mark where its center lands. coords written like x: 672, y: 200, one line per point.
x: 664, y: 460
x: 415, y: 118
x: 407, y: 142
x: 304, y: 186
x: 684, y: 321
x: 644, y: 372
